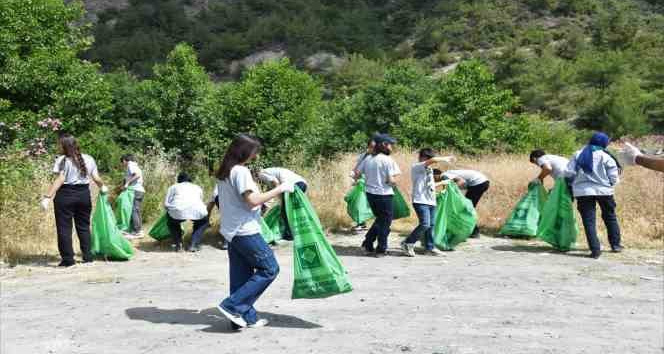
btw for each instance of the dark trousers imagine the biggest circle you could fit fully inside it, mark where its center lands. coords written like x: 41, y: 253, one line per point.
x: 136, y: 221
x: 425, y: 215
x: 287, y: 231
x: 176, y: 230
x: 475, y: 193
x: 73, y: 202
x: 587, y: 208
x: 253, y: 268
x: 382, y: 208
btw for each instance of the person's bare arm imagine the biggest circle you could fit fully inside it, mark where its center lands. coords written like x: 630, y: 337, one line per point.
x: 97, y: 179
x: 57, y: 183
x: 131, y: 180
x: 545, y: 171
x: 254, y: 199
x: 651, y: 162
x: 393, y: 180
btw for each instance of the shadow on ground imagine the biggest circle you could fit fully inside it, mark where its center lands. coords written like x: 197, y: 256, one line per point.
x: 210, y: 317
x: 535, y: 249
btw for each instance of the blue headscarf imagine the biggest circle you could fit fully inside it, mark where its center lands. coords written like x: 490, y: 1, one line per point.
x: 599, y: 141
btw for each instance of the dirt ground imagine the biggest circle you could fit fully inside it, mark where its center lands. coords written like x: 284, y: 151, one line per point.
x: 489, y: 296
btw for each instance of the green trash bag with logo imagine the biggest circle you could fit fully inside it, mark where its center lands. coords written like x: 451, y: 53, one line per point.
x: 160, y: 231
x: 107, y: 240
x: 124, y: 204
x: 524, y: 219
x: 274, y: 223
x: 357, y: 204
x: 401, y: 209
x: 266, y: 232
x: 558, y: 225
x: 318, y: 271
x: 455, y: 218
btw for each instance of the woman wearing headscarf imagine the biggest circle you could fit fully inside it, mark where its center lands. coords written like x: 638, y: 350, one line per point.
x: 596, y: 173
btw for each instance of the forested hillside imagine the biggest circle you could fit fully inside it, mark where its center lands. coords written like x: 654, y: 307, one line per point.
x: 470, y: 75
x: 585, y: 60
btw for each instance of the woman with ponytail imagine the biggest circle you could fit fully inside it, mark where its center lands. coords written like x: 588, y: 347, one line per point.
x: 70, y: 192
x: 596, y: 173
x: 252, y: 264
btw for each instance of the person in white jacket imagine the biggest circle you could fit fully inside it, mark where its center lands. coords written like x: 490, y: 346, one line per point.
x: 184, y: 201
x: 596, y: 173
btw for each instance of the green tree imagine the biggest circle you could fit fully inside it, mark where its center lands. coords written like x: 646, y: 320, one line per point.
x: 467, y: 112
x: 277, y: 103
x: 40, y: 74
x: 181, y: 91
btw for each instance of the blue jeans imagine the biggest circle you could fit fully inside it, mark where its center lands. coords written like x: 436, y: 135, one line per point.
x: 587, y: 208
x: 381, y: 206
x: 176, y: 230
x: 252, y: 269
x: 425, y: 214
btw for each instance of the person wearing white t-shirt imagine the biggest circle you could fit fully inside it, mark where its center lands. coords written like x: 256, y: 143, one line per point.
x: 274, y: 176
x: 550, y: 165
x: 356, y: 175
x: 424, y: 201
x: 134, y: 179
x: 184, y: 201
x: 70, y: 192
x: 252, y: 264
x: 475, y: 183
x: 381, y: 173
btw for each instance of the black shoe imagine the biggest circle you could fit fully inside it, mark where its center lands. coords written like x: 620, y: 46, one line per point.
x: 617, y: 249
x: 595, y: 254
x: 380, y: 254
x: 194, y: 248
x: 66, y: 263
x: 88, y: 259
x: 177, y: 247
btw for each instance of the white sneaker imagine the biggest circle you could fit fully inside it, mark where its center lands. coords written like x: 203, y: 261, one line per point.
x: 234, y: 318
x: 409, y: 248
x: 260, y: 323
x: 433, y: 252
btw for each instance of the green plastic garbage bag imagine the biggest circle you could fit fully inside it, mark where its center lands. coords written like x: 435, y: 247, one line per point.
x: 558, y: 225
x: 525, y: 217
x: 401, y: 209
x: 274, y: 222
x: 357, y: 204
x: 107, y: 241
x: 124, y: 204
x: 266, y: 232
x: 318, y: 271
x: 455, y: 218
x: 160, y: 230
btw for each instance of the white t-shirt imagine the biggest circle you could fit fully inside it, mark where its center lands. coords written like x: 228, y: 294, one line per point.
x: 71, y: 172
x: 280, y: 174
x: 424, y: 186
x: 470, y: 177
x: 558, y: 164
x: 133, y: 169
x: 376, y: 170
x: 184, y: 201
x: 237, y: 218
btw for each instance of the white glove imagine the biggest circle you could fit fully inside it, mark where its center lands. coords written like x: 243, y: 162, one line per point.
x: 103, y: 189
x: 286, y: 187
x: 447, y: 159
x: 44, y: 203
x: 629, y: 153
x: 351, y: 174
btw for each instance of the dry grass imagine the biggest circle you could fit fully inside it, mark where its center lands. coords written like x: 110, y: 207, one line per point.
x: 640, y: 197
x: 28, y: 234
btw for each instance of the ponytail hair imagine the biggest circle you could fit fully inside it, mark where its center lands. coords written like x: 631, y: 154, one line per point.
x: 73, y: 152
x: 242, y: 148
